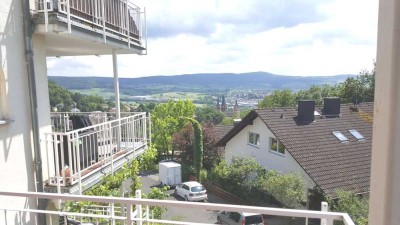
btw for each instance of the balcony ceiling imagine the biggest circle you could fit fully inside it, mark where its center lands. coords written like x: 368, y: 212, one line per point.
x: 59, y: 42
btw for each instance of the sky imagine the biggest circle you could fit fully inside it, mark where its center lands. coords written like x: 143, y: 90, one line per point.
x: 285, y: 37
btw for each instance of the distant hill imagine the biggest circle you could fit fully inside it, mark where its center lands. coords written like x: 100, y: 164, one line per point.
x: 207, y: 82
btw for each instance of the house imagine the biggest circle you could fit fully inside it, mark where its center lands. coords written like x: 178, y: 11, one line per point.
x: 330, y: 146
x: 33, y: 156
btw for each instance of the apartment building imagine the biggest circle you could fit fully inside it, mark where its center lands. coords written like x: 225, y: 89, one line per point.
x: 34, y: 157
x: 89, y: 27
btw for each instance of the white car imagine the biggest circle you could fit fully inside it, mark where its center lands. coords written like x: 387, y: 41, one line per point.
x: 235, y: 218
x: 191, y: 191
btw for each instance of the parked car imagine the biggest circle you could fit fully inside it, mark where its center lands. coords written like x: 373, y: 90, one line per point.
x: 191, y: 191
x: 236, y: 218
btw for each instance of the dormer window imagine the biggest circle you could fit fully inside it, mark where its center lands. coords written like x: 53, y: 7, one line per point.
x: 340, y: 136
x: 357, y: 135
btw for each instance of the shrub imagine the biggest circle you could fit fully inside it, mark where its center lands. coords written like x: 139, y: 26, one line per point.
x: 350, y: 203
x: 148, y: 160
x: 286, y: 188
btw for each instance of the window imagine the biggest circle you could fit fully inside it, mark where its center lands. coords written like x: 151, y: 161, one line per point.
x: 235, y: 216
x: 277, y: 146
x: 357, y: 135
x: 254, y: 139
x: 340, y: 136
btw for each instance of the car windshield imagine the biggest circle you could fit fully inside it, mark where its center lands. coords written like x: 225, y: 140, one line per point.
x: 197, y: 189
x: 256, y: 219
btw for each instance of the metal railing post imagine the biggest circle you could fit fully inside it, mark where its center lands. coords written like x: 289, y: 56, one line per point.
x: 324, y: 208
x: 69, y: 17
x: 112, y: 214
x: 112, y: 150
x: 129, y: 214
x: 127, y: 24
x: 78, y: 159
x: 143, y: 130
x: 147, y: 214
x: 103, y: 12
x: 145, y: 30
x: 94, y: 10
x: 48, y: 158
x: 138, y: 195
x: 46, y: 16
x: 57, y: 175
x: 149, y: 128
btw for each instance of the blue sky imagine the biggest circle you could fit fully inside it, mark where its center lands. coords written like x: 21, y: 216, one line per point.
x: 287, y: 37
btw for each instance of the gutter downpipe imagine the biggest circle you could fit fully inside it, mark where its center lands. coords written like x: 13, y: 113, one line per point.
x: 41, y: 218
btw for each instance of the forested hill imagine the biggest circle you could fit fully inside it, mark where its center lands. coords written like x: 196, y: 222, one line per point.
x: 198, y: 82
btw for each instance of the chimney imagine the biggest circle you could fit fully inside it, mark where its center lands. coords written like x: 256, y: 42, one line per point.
x: 331, y: 106
x: 306, y: 110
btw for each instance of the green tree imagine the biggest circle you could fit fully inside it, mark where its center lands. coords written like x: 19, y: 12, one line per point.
x: 160, y: 194
x: 278, y: 98
x: 168, y: 118
x: 148, y: 160
x: 244, y: 112
x: 146, y: 107
x: 350, y: 203
x: 59, y: 95
x: 85, y: 103
x: 209, y: 114
x: 241, y: 177
x: 318, y: 93
x: 358, y: 89
x: 227, y: 121
x: 183, y: 142
x: 287, y: 188
x: 197, y: 146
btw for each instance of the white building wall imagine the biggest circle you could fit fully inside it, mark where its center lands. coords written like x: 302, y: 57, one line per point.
x: 239, y: 147
x: 16, y: 144
x: 42, y: 90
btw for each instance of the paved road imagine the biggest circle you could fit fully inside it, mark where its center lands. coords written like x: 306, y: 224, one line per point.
x: 183, y: 214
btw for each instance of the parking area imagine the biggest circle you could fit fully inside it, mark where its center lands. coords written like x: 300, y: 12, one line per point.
x: 205, y: 216
x: 182, y: 214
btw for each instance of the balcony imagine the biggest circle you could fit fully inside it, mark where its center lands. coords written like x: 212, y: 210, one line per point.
x: 80, y: 155
x: 89, y: 27
x: 137, y: 210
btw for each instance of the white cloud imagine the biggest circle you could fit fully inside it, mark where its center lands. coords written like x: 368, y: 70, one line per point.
x: 338, y: 37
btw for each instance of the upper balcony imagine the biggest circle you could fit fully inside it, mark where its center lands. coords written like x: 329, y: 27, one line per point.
x: 85, y: 147
x: 90, y: 27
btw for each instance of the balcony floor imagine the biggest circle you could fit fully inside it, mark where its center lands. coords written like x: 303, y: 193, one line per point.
x: 93, y: 174
x: 83, y: 39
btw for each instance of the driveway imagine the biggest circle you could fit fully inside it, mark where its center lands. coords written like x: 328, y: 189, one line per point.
x: 205, y: 216
x: 182, y: 214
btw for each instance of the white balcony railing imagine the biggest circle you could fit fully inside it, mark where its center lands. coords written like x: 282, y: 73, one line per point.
x: 104, y: 147
x: 60, y: 121
x: 115, y: 18
x: 143, y: 215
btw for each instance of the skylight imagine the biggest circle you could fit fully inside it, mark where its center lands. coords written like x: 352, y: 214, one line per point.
x: 357, y: 135
x: 340, y: 136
